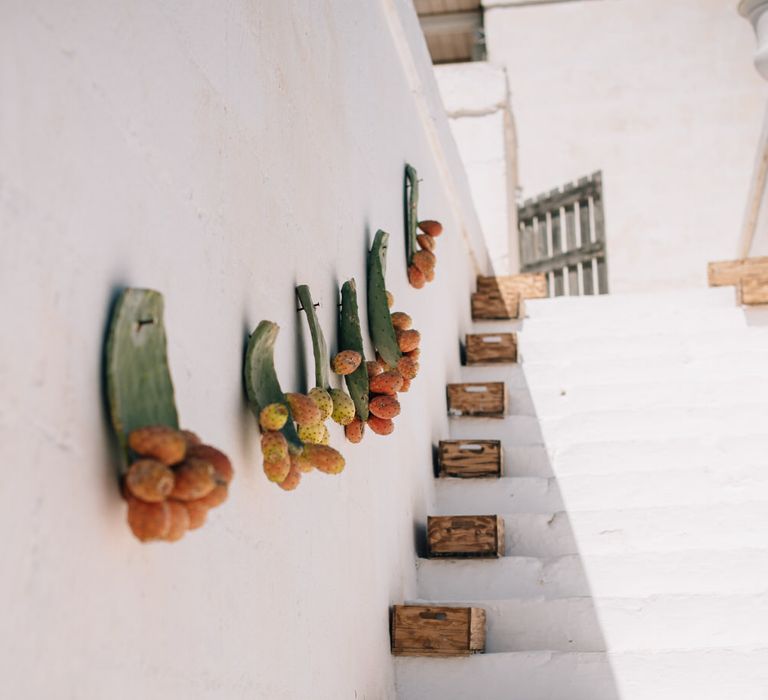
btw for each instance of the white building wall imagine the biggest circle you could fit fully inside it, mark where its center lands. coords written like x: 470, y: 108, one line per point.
x: 220, y: 153
x: 662, y: 97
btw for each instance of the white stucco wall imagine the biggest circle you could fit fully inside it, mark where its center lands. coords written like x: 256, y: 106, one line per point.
x: 663, y: 98
x: 220, y: 154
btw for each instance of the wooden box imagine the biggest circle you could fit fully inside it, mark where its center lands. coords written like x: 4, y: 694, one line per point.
x: 427, y: 630
x: 753, y: 290
x: 465, y: 536
x: 730, y: 272
x: 487, y: 400
x: 490, y: 348
x: 469, y: 459
x: 529, y: 285
x: 495, y: 305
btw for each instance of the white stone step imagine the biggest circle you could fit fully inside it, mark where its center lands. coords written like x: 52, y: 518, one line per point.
x: 711, y: 527
x: 708, y: 674
x: 623, y: 490
x: 517, y: 430
x: 654, y: 623
x: 736, y: 572
x: 512, y: 375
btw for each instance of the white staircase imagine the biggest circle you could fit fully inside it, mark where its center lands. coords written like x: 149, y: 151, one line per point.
x: 635, y: 501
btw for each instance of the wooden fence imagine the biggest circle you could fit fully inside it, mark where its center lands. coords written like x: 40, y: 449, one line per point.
x: 562, y: 233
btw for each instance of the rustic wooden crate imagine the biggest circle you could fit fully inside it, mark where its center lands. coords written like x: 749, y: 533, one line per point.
x: 529, y: 285
x: 490, y: 348
x: 428, y: 630
x: 465, y: 536
x: 753, y: 289
x: 467, y: 459
x: 495, y: 306
x: 730, y: 272
x: 488, y: 399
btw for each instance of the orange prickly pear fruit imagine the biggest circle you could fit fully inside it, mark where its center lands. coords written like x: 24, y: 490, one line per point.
x: 197, y: 511
x: 408, y: 367
x: 273, y: 417
x: 343, y: 407
x: 433, y: 228
x: 425, y: 260
x: 355, y: 430
x: 274, y: 447
x: 405, y: 387
x: 384, y: 407
x: 386, y: 382
x: 390, y: 299
x: 179, y: 521
x: 429, y: 275
x: 148, y: 521
x: 380, y: 426
x: 220, y: 462
x: 426, y: 241
x: 292, y: 480
x: 416, y: 277
x: 373, y: 368
x: 149, y: 480
x: 159, y: 442
x: 323, y: 401
x: 401, y: 320
x: 324, y: 458
x: 346, y: 362
x: 413, y: 354
x: 304, y: 409
x: 214, y: 498
x: 302, y: 462
x: 278, y: 469
x: 190, y: 438
x: 195, y: 478
x: 408, y: 340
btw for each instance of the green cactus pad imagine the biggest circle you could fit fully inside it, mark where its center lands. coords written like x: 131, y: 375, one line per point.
x: 351, y: 338
x: 319, y: 346
x: 138, y: 379
x: 261, y: 383
x: 411, y: 203
x: 379, y: 321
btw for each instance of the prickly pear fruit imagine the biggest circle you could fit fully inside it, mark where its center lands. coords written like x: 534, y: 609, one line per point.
x: 274, y: 447
x: 426, y: 241
x: 323, y: 401
x: 190, y: 438
x: 408, y: 367
x: 302, y: 462
x: 324, y: 458
x: 401, y: 321
x: 343, y: 407
x: 179, y: 521
x: 416, y: 277
x: 149, y: 480
x: 408, y: 340
x: 293, y: 478
x: 315, y: 433
x: 414, y: 354
x: 195, y: 478
x: 303, y: 408
x: 390, y: 299
x: 277, y: 471
x: 386, y: 383
x: 433, y: 228
x: 405, y: 387
x: 425, y: 260
x: 354, y: 431
x: 273, y: 417
x: 148, y: 521
x: 380, y: 426
x: 221, y: 464
x: 373, y: 368
x: 214, y: 498
x: 429, y: 275
x: 197, y: 511
x: 159, y: 442
x: 346, y: 362
x: 385, y: 407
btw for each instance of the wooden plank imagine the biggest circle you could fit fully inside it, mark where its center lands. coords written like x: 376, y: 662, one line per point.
x: 559, y: 283
x: 495, y: 306
x: 587, y: 276
x: 528, y: 285
x: 753, y: 289
x: 572, y: 257
x: 557, y: 233
x: 570, y: 227
x: 461, y: 536
x: 491, y: 348
x: 573, y: 281
x: 477, y: 399
x: 470, y: 459
x: 730, y: 272
x: 555, y: 199
x: 602, y: 276
x: 430, y: 630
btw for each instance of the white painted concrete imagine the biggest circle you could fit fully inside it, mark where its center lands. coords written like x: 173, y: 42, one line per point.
x: 221, y: 154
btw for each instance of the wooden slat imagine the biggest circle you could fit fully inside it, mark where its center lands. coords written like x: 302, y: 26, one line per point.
x: 753, y: 289
x: 730, y: 272
x: 463, y: 536
x: 470, y: 459
x: 602, y: 276
x: 593, y: 250
x: 527, y: 285
x: 586, y: 187
x: 491, y: 348
x: 477, y: 399
x: 495, y: 306
x: 587, y: 277
x: 426, y: 630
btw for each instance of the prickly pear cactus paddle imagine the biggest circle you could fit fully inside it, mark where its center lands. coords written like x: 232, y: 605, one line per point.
x: 261, y: 383
x: 139, y: 385
x: 351, y: 338
x: 379, y: 321
x: 319, y: 346
x: 411, y: 202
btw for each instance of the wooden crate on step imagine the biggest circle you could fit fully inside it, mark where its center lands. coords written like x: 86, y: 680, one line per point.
x: 490, y: 348
x: 465, y: 536
x: 529, y: 285
x: 428, y: 630
x: 753, y: 290
x: 495, y: 306
x: 481, y: 399
x: 469, y: 459
x: 731, y: 272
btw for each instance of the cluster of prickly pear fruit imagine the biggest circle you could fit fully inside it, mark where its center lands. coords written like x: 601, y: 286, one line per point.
x: 173, y: 483
x: 422, y: 267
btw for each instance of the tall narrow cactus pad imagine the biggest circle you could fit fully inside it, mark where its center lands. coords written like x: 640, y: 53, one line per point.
x: 319, y: 346
x: 139, y: 385
x: 351, y: 338
x: 261, y: 383
x: 411, y: 203
x: 379, y: 321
